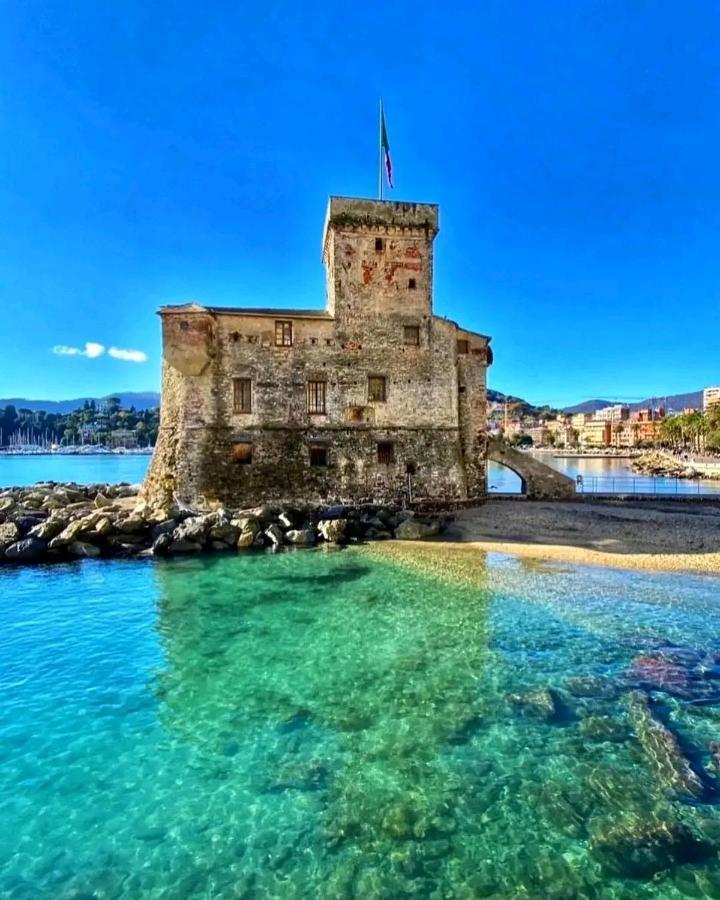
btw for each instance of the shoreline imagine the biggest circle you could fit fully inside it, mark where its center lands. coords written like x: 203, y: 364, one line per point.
x: 647, y: 535
x: 690, y: 563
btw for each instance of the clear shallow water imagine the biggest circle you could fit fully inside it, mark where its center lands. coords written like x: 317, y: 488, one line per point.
x: 335, y: 724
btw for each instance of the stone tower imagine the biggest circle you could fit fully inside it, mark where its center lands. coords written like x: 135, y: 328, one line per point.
x: 374, y: 398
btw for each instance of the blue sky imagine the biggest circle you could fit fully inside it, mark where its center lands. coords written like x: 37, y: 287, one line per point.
x: 153, y: 153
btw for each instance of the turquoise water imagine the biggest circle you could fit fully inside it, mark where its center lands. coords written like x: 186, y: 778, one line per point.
x: 338, y: 724
x: 21, y: 471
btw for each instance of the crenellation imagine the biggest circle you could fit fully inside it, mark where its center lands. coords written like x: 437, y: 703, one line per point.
x: 374, y: 398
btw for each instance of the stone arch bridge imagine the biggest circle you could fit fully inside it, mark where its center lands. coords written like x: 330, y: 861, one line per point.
x: 539, y: 481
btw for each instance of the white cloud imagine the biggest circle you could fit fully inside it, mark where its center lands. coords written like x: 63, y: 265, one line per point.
x: 136, y: 356
x: 92, y: 350
x: 62, y: 350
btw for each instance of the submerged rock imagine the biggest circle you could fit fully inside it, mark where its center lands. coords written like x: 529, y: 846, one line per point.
x: 591, y: 686
x: 603, y: 728
x: 537, y: 704
x: 662, y: 750
x: 636, y: 847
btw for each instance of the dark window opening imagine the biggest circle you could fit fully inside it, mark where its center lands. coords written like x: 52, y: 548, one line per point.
x: 318, y: 456
x: 376, y: 388
x: 463, y: 347
x: 378, y: 245
x: 385, y: 452
x: 235, y: 336
x: 283, y: 334
x: 461, y: 389
x: 242, y: 395
x: 411, y: 335
x: 412, y: 284
x: 243, y: 453
x: 184, y: 325
x: 316, y: 391
x: 411, y: 468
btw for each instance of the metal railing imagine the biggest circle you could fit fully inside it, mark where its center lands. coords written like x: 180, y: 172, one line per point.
x: 645, y: 484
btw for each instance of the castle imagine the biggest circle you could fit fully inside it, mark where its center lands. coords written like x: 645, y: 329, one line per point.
x: 372, y: 399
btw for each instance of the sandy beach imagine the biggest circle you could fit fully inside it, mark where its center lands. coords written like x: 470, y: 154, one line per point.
x: 656, y: 535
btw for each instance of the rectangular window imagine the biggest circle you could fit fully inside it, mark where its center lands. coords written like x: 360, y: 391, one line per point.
x: 385, y: 452
x: 411, y: 335
x: 378, y: 245
x: 376, y: 388
x: 412, y: 284
x: 283, y: 334
x: 242, y: 395
x: 318, y: 456
x: 243, y: 453
x: 463, y: 347
x: 316, y: 397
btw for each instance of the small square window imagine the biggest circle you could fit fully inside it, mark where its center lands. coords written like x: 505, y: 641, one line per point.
x: 376, y: 389
x: 283, y: 334
x: 318, y: 456
x: 243, y: 453
x: 378, y: 245
x: 242, y: 395
x: 411, y: 335
x: 412, y: 284
x: 463, y: 347
x: 316, y: 392
x: 385, y: 452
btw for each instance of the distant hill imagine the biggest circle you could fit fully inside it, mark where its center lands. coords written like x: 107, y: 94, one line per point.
x: 587, y: 406
x: 140, y: 400
x: 676, y: 402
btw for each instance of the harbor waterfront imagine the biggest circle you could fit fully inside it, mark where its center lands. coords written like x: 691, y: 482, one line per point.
x: 221, y: 726
x: 611, y: 474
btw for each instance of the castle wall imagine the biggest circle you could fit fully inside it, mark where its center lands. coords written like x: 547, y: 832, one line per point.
x: 433, y: 413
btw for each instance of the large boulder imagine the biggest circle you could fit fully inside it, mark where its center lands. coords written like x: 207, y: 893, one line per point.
x: 184, y: 546
x: 49, y: 529
x: 246, y: 524
x: 416, y: 530
x: 246, y: 540
x: 275, y: 535
x: 27, y: 550
x: 83, y: 549
x: 225, y: 534
x: 194, y: 529
x: 9, y: 533
x: 333, y: 530
x: 300, y: 536
x: 71, y: 532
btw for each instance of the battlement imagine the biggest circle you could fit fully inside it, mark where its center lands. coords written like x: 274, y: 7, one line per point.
x: 382, y: 216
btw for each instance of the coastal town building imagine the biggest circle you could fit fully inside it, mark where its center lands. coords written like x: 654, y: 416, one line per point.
x: 373, y: 398
x: 711, y: 397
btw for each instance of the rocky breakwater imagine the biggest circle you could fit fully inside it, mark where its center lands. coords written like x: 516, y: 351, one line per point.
x: 57, y: 522
x: 662, y: 465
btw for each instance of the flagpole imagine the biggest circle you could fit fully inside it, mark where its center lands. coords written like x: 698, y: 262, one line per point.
x: 380, y: 178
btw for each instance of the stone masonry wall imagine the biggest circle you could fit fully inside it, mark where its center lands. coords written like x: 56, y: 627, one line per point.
x: 433, y: 412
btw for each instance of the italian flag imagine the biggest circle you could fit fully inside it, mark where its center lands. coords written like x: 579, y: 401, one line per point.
x: 385, y: 144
